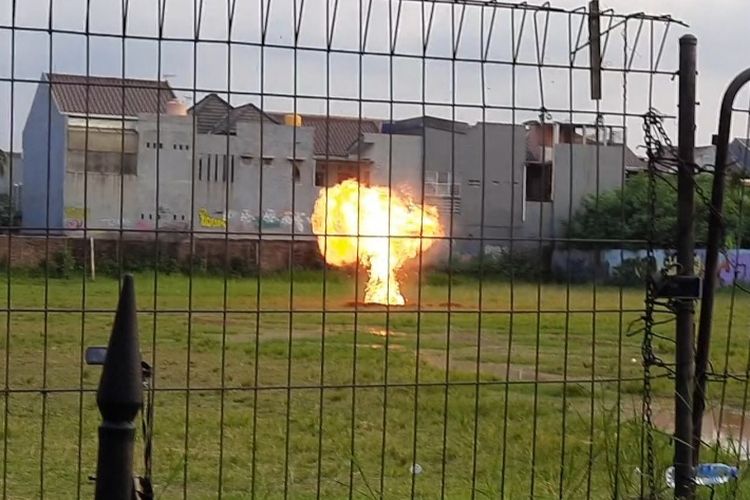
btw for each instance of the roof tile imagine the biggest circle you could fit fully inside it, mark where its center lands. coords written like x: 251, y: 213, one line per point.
x: 76, y: 94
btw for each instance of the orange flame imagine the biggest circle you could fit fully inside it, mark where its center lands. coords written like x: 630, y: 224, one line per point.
x: 383, y: 250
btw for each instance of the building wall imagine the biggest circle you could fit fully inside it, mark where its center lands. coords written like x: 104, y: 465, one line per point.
x: 480, y: 160
x: 396, y: 160
x: 265, y: 197
x: 162, y: 198
x: 98, y: 193
x: 160, y: 194
x: 488, y: 161
x: 172, y: 191
x: 44, y: 146
x: 492, y: 192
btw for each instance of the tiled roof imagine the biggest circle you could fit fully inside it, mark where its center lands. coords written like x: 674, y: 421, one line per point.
x: 335, y: 134
x: 245, y: 113
x: 208, y: 111
x: 115, y: 97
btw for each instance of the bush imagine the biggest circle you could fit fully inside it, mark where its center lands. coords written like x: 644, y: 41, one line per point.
x: 521, y: 265
x: 239, y: 267
x: 632, y: 272
x: 62, y: 264
x: 168, y: 265
x: 626, y: 214
x: 108, y: 267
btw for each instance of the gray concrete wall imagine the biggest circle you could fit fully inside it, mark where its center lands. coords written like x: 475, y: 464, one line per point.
x: 489, y: 165
x: 173, y: 190
x: 44, y: 146
x: 264, y: 196
x: 488, y: 161
x: 396, y: 160
x: 98, y: 200
x: 482, y: 161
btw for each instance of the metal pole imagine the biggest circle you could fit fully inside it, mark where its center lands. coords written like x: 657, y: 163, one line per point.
x: 119, y: 397
x: 715, y: 238
x: 93, y: 260
x: 684, y: 331
x: 595, y: 51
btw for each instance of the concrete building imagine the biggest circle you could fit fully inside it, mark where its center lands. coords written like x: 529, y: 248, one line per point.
x: 105, y: 154
x: 566, y: 163
x: 469, y: 173
x: 81, y: 150
x: 495, y: 181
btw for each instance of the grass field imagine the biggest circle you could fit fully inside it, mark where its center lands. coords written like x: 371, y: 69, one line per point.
x: 505, y: 436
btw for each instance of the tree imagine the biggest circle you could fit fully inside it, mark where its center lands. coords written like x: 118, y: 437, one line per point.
x: 625, y: 214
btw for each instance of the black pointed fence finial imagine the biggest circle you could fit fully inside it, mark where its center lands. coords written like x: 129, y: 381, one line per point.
x: 119, y: 397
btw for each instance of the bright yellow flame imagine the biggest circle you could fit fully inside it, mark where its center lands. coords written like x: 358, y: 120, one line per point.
x: 383, y: 250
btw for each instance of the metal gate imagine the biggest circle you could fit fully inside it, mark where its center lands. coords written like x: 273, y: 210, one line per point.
x: 381, y: 249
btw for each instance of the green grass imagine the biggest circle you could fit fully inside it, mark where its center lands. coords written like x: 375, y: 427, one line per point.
x: 494, y: 430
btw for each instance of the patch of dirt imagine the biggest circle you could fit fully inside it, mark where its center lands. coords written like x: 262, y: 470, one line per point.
x: 436, y: 358
x: 451, y: 304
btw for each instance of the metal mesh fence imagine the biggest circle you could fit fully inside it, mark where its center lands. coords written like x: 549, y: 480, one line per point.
x: 382, y: 249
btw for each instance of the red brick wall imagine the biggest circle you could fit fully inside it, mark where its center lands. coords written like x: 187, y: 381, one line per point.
x: 273, y: 255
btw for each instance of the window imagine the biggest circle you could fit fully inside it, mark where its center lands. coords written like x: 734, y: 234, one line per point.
x: 268, y: 161
x: 231, y: 175
x: 474, y: 183
x: 296, y: 171
x: 442, y: 184
x: 246, y: 159
x: 200, y: 168
x: 174, y: 146
x: 320, y: 175
x: 216, y: 168
x: 539, y: 181
x: 444, y: 177
x: 105, y: 151
x: 223, y: 168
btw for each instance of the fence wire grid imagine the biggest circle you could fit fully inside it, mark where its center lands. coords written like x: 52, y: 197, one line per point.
x: 472, y: 184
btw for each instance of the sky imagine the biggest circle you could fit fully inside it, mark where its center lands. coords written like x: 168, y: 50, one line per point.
x: 374, y: 84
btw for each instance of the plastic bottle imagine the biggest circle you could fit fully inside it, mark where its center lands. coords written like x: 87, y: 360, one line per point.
x: 707, y: 474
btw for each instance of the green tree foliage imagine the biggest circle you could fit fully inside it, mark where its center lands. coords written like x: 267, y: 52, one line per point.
x: 624, y: 214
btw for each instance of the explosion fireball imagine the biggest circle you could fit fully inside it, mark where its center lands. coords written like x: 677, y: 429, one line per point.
x: 349, y: 217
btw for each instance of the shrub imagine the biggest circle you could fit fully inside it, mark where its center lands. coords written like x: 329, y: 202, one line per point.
x: 240, y: 267
x: 62, y: 264
x: 631, y: 272
x: 626, y: 214
x: 520, y: 264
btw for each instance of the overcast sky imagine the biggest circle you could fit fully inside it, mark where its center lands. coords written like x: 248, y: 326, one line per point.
x: 346, y: 78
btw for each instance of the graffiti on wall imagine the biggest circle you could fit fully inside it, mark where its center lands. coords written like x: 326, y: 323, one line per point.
x: 210, y: 221
x: 733, y: 264
x: 245, y: 220
x: 75, y: 217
